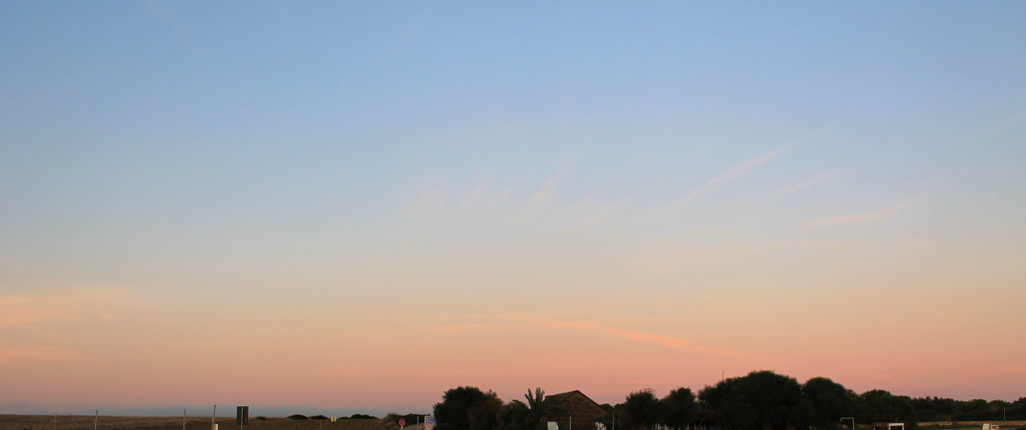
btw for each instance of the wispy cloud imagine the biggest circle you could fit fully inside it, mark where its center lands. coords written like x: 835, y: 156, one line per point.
x: 547, y: 190
x: 662, y: 258
x: 73, y: 306
x: 540, y: 322
x: 1016, y: 370
x: 494, y: 205
x: 859, y: 218
x: 22, y: 311
x: 35, y: 354
x: 635, y: 335
x: 460, y: 327
x: 168, y: 17
x: 1013, y: 121
x: 808, y: 183
x: 998, y: 126
x: 734, y: 172
x: 434, y: 204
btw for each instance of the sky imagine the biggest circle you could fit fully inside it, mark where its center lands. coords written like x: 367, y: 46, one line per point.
x: 355, y: 206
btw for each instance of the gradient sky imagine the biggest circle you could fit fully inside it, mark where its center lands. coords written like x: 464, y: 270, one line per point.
x: 348, y: 205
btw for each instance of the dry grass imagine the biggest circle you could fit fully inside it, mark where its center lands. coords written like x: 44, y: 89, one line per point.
x: 85, y: 422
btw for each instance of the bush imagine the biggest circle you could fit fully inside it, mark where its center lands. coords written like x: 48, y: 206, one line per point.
x: 298, y: 417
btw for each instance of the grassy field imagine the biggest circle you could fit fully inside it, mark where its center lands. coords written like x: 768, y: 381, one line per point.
x: 86, y: 422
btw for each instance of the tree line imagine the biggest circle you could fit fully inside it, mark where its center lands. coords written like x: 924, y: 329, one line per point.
x: 760, y: 400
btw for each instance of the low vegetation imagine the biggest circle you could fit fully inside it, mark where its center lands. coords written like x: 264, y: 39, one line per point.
x: 761, y: 400
x: 46, y: 422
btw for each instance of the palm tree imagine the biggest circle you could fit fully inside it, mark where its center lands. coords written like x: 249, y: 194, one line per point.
x: 539, y: 407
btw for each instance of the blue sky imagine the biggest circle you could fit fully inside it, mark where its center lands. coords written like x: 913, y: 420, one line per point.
x: 727, y: 173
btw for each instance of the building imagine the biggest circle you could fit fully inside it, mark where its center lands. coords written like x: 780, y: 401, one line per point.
x: 576, y: 412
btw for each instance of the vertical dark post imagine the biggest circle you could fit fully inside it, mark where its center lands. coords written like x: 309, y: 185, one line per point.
x: 241, y: 415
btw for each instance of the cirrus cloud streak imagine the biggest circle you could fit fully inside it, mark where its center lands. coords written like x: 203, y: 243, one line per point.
x: 537, y: 322
x: 858, y: 218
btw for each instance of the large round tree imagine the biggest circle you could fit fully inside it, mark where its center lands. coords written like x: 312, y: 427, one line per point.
x: 761, y: 399
x: 679, y: 408
x: 641, y: 410
x: 826, y: 401
x: 468, y: 408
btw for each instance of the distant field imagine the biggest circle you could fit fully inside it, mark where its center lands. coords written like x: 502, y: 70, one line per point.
x: 85, y: 422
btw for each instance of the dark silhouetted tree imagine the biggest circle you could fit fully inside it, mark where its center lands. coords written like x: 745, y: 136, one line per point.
x: 539, y: 406
x: 641, y: 410
x: 824, y: 403
x: 679, y: 408
x: 468, y: 408
x: 758, y: 400
x: 881, y: 406
x: 514, y: 416
x: 614, y: 413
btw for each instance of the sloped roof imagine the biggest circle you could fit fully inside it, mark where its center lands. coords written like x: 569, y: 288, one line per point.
x: 563, y: 396
x: 582, y: 400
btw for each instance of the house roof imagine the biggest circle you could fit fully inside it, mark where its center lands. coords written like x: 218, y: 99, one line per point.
x: 565, y: 398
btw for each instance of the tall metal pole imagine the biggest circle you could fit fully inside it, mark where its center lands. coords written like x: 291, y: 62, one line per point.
x: 96, y: 420
x: 212, y: 416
